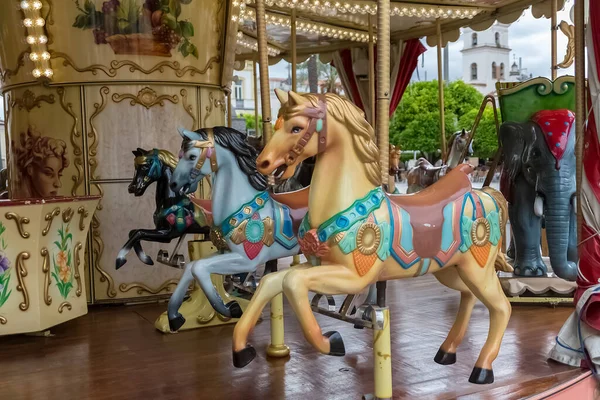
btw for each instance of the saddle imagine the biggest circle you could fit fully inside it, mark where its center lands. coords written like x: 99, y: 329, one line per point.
x: 297, y: 202
x: 426, y: 208
x: 205, y: 205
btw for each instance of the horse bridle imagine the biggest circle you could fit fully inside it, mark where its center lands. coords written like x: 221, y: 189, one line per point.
x: 318, y: 123
x: 206, y: 146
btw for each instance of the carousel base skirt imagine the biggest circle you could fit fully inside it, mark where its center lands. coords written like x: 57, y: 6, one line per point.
x: 115, y: 352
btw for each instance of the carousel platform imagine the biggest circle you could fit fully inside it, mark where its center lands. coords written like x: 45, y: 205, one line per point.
x: 115, y: 353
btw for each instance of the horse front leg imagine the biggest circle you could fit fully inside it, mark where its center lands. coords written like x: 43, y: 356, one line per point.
x: 176, y: 320
x: 153, y: 235
x: 146, y: 259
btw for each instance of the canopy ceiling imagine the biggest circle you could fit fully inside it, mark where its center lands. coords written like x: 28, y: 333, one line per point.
x: 323, y: 26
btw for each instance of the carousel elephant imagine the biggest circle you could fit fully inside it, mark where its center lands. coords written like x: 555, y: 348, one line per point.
x: 538, y: 180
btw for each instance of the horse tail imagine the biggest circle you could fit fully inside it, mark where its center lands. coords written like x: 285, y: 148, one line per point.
x: 500, y: 264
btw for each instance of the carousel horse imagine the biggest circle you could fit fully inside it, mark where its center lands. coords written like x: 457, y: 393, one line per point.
x: 355, y: 234
x: 424, y: 174
x: 175, y: 215
x: 244, y: 216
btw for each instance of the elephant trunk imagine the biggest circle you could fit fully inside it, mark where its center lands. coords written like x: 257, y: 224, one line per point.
x: 557, y: 211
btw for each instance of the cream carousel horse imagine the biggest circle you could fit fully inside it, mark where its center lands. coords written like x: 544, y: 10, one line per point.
x: 355, y: 234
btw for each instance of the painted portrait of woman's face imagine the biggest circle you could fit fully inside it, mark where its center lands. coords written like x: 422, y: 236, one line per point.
x: 40, y: 161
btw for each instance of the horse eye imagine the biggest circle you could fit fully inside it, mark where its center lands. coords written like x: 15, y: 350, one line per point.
x: 193, y: 157
x: 297, y: 129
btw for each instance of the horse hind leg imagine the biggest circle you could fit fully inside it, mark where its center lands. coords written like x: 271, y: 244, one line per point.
x: 485, y: 285
x: 449, y: 277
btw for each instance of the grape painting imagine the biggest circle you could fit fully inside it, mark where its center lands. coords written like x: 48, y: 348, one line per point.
x: 152, y: 28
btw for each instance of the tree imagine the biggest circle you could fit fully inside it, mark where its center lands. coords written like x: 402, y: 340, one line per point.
x: 311, y: 71
x: 461, y: 98
x: 485, y: 141
x: 251, y: 121
x: 313, y: 74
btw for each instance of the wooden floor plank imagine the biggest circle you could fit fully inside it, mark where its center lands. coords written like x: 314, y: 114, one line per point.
x: 115, y: 353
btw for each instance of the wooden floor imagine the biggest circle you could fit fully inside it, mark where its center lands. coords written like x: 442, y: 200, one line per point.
x: 115, y: 353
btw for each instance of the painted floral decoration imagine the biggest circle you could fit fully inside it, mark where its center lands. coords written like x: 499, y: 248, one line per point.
x: 311, y: 246
x: 62, y: 262
x: 153, y: 28
x: 4, y: 268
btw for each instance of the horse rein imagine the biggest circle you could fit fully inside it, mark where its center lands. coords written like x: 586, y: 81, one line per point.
x: 207, y: 146
x: 318, y: 123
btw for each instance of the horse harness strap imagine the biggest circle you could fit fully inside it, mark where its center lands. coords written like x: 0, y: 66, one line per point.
x: 207, y: 146
x: 318, y: 123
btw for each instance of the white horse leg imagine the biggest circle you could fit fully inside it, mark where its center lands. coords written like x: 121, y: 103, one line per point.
x: 223, y: 264
x: 176, y: 320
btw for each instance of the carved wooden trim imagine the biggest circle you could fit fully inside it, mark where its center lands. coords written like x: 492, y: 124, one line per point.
x: 46, y: 272
x: 29, y: 100
x: 146, y: 97
x: 21, y: 274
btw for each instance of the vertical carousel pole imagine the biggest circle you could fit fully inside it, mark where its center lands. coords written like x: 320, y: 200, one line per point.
x: 296, y: 258
x: 371, y: 72
x: 255, y: 81
x: 553, y: 38
x: 277, y: 348
x: 441, y: 91
x: 580, y: 114
x: 229, y: 109
x: 382, y: 355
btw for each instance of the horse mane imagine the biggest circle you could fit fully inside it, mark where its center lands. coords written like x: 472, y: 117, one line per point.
x: 353, y: 118
x: 166, y: 157
x: 235, y: 141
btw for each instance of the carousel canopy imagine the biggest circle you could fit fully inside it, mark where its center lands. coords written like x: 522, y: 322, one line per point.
x: 324, y: 26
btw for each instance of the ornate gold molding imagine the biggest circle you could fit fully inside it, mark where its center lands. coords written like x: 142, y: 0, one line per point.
x: 219, y: 21
x: 63, y: 305
x: 75, y: 136
x: 76, y: 264
x: 20, y: 221
x: 4, y: 74
x: 93, y: 134
x: 115, y: 65
x: 67, y: 215
x: 50, y: 217
x: 49, y: 21
x: 3, y: 320
x: 188, y: 108
x: 569, y: 31
x: 29, y: 100
x: 146, y: 97
x: 141, y: 288
x: 213, y: 103
x: 98, y: 249
x: 46, y: 272
x: 21, y: 274
x: 83, y: 213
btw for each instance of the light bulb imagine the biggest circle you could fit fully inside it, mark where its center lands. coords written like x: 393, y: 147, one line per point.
x: 31, y: 39
x: 43, y: 39
x: 25, y: 5
x: 40, y: 22
x: 34, y: 57
x: 28, y: 22
x: 37, y: 5
x: 45, y: 55
x: 37, y: 73
x: 48, y: 72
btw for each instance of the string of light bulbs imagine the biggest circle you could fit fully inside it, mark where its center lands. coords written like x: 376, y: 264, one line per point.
x: 252, y: 44
x: 36, y: 38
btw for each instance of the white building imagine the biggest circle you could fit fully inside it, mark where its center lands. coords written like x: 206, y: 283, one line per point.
x: 486, y: 59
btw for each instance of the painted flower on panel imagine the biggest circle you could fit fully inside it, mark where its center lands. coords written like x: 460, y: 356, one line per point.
x: 4, y: 268
x: 62, y: 262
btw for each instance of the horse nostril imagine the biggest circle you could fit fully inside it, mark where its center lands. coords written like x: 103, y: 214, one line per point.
x: 173, y: 185
x: 265, y: 164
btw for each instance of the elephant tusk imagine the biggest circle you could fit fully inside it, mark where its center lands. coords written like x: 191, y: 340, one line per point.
x: 538, y: 206
x: 575, y: 205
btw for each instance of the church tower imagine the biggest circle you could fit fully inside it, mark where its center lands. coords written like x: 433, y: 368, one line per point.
x: 486, y: 57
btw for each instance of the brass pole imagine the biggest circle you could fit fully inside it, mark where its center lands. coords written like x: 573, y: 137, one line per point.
x: 438, y: 26
x: 229, y: 116
x: 256, y: 100
x: 383, y: 86
x: 294, y: 55
x: 553, y: 38
x: 371, y: 72
x: 263, y: 57
x: 579, y: 99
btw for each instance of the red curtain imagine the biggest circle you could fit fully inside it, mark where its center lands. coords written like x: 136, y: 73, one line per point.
x: 410, y: 57
x: 354, y: 94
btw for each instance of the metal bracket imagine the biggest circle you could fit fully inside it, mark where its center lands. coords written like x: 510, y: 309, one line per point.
x: 176, y: 260
x: 330, y: 302
x: 377, y: 317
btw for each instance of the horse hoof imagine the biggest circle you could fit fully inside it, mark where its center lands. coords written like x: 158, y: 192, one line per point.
x: 234, y: 309
x: 444, y: 358
x: 176, y: 323
x: 147, y: 260
x: 120, y: 262
x: 243, y: 357
x: 481, y: 376
x: 336, y: 344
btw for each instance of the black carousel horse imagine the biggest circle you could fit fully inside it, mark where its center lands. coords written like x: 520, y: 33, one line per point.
x: 175, y: 215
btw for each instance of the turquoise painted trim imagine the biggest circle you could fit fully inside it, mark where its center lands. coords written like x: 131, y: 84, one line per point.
x: 227, y: 227
x: 466, y: 224
x: 406, y: 237
x: 495, y: 232
x: 348, y: 243
x: 284, y: 232
x: 319, y: 125
x: 383, y: 252
x: 424, y: 266
x: 447, y: 234
x: 304, y: 226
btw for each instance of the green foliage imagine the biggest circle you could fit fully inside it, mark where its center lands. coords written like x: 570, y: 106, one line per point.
x: 485, y: 142
x: 251, y: 121
x: 415, y: 124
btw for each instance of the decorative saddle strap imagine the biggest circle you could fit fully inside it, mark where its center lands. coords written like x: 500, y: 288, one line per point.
x: 244, y: 213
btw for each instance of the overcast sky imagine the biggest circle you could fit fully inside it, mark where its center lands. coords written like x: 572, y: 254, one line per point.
x: 528, y: 38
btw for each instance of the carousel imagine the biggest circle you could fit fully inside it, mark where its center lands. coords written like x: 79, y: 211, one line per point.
x: 150, y: 250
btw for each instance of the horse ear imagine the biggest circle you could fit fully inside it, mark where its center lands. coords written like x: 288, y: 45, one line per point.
x: 139, y: 152
x: 463, y: 133
x: 189, y: 135
x: 295, y: 99
x: 282, y: 96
